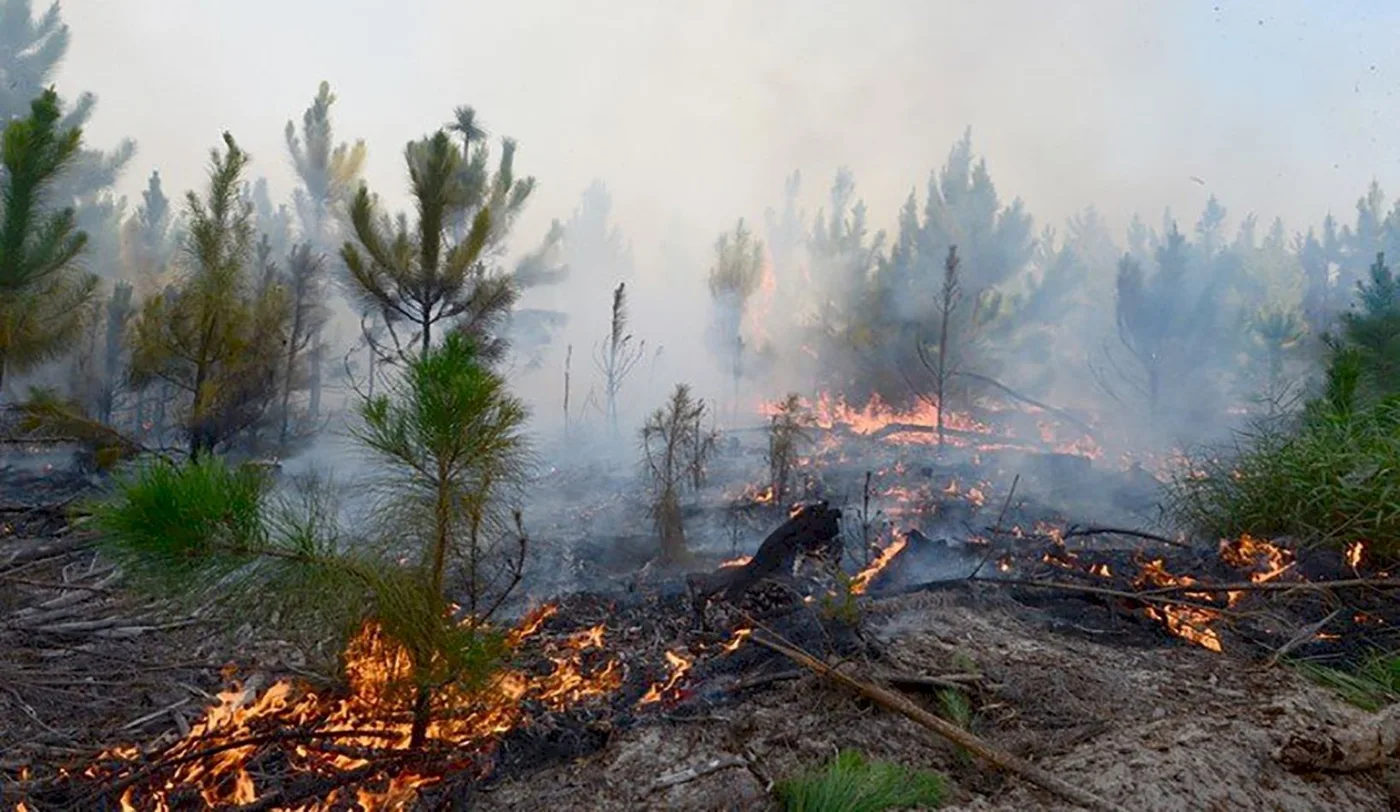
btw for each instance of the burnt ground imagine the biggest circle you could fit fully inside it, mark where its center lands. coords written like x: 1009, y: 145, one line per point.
x: 1082, y: 683
x: 1173, y: 727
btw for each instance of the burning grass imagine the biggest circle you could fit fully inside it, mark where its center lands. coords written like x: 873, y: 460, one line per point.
x: 325, y: 748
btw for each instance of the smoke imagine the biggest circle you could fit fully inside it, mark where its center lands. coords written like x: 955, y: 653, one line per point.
x: 694, y: 115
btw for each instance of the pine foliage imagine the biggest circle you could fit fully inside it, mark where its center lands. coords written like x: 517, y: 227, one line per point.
x: 215, y: 334
x: 440, y: 273
x: 44, y: 298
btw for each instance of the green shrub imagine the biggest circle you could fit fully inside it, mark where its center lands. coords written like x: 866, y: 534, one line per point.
x: 850, y: 783
x: 1334, y: 479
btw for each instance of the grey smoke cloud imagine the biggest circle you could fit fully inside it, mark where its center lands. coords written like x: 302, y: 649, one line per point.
x: 694, y: 113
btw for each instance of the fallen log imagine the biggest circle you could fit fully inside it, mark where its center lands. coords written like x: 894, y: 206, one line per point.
x: 1346, y: 750
x: 811, y: 530
x: 973, y: 744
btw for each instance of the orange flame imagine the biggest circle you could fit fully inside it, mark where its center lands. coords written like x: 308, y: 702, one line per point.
x: 862, y: 580
x: 1353, y: 553
x: 1247, y: 552
x: 680, y: 666
x: 735, y: 562
x: 1190, y: 623
x: 737, y: 640
x: 374, y: 714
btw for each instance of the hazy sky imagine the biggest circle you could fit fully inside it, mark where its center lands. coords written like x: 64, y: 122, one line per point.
x: 694, y: 111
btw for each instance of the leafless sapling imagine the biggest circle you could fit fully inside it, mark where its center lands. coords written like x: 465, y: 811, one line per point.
x: 568, y: 370
x: 618, y: 355
x: 942, y: 366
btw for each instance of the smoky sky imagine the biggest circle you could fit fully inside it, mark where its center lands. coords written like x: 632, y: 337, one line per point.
x: 693, y: 112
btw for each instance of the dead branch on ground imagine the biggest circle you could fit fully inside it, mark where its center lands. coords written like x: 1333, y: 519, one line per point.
x: 973, y: 744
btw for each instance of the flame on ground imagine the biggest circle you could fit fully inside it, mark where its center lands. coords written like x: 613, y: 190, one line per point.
x: 323, y: 735
x: 735, y: 562
x: 862, y: 580
x: 1191, y: 623
x: 1268, y: 561
x: 737, y: 640
x: 1353, y: 553
x: 914, y: 426
x: 680, y: 666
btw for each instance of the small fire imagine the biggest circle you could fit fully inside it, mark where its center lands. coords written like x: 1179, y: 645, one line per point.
x: 1191, y: 623
x: 1353, y: 553
x: 862, y: 580
x: 759, y: 496
x: 1101, y: 570
x: 737, y: 640
x: 1247, y: 552
x: 680, y: 666
x: 336, y: 734
x: 735, y: 562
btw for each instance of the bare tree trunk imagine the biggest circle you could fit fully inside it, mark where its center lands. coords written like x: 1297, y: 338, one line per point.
x: 947, y: 303
x: 313, y: 407
x: 568, y: 363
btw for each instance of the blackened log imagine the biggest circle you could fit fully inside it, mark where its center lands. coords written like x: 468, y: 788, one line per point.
x: 813, y: 530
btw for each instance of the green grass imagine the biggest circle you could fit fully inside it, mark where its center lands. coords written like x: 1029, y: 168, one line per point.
x: 1332, y: 479
x: 850, y: 783
x: 1371, y: 687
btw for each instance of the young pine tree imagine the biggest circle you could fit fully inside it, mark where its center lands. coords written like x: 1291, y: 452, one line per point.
x: 449, y: 438
x: 44, y: 297
x: 438, y: 276
x: 216, y: 334
x: 617, y: 356
x: 675, y: 449
x: 788, y: 428
x: 734, y: 279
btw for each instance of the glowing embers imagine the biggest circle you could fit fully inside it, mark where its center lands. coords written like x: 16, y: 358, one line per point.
x: 366, y: 730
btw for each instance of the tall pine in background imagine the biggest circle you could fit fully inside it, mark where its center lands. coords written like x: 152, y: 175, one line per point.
x: 440, y: 274
x: 44, y: 296
x: 328, y: 173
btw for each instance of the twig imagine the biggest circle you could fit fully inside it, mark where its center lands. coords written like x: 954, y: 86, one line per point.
x: 765, y: 679
x: 955, y: 682
x: 1060, y: 413
x: 679, y: 777
x: 902, y: 705
x: 1076, y: 532
x: 136, y: 723
x: 1304, y: 634
x: 1279, y: 586
x: 1007, y: 504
